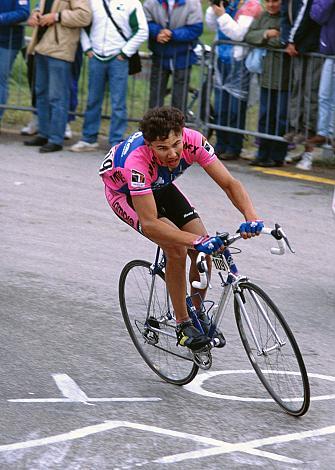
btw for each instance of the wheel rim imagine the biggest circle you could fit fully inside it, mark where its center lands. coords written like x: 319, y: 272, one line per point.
x: 159, y: 350
x: 280, y: 368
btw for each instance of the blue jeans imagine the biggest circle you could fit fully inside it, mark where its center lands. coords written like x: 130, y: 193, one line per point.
x: 116, y: 73
x: 7, y: 57
x: 52, y: 97
x: 326, y: 119
x: 229, y: 111
x: 272, y: 120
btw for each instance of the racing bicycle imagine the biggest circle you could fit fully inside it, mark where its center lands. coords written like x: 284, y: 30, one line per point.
x: 267, y: 339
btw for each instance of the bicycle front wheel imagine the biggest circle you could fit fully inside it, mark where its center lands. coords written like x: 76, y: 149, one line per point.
x: 272, y: 349
x: 144, y: 303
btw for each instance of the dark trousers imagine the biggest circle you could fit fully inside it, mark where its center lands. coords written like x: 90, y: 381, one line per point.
x: 158, y: 86
x: 229, y: 111
x: 272, y: 120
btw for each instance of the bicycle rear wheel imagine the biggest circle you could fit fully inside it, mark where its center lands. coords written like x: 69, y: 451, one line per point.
x: 277, y: 360
x: 145, y: 309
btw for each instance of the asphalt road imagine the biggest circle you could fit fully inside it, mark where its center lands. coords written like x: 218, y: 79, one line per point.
x: 64, y: 346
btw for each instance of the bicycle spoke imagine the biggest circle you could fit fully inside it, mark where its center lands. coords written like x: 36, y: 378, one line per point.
x: 152, y: 327
x: 278, y: 364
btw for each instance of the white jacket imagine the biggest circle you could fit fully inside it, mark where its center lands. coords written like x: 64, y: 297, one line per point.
x: 234, y: 29
x: 103, y: 38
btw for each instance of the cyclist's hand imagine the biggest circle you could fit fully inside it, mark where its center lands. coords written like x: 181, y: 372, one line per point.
x: 208, y: 244
x: 250, y: 228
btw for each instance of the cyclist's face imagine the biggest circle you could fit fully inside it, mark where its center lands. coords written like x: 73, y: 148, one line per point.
x: 168, y: 151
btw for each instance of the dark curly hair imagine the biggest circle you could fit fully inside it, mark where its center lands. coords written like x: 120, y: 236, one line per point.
x: 157, y: 123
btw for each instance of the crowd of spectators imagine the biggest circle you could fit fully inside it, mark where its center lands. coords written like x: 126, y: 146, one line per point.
x: 297, y: 91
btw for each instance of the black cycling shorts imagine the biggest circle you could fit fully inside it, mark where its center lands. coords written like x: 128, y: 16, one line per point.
x: 170, y: 202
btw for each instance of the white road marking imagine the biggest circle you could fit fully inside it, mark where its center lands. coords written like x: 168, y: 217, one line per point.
x: 69, y: 388
x: 196, y: 386
x: 73, y: 394
x: 90, y: 400
x: 217, y: 446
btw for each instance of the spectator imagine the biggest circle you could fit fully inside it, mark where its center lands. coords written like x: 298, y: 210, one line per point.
x: 32, y: 127
x: 12, y: 12
x: 54, y: 42
x: 231, y: 22
x: 265, y: 31
x: 323, y: 12
x: 174, y: 30
x: 108, y: 54
x: 300, y: 34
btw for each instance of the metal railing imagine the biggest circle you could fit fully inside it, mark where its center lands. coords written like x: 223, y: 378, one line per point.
x: 218, y: 96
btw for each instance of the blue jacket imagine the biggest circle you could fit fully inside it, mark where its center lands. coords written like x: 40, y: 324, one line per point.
x: 323, y: 12
x: 298, y: 27
x: 186, y: 25
x: 11, y: 13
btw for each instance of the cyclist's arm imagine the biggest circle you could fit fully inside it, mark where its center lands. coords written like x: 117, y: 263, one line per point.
x: 156, y: 229
x: 233, y: 188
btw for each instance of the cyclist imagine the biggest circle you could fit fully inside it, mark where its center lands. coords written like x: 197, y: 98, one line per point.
x: 139, y: 176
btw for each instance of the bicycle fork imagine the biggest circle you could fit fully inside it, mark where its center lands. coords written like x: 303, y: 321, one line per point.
x: 278, y: 342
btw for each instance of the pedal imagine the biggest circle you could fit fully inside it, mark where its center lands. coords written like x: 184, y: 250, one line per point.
x: 151, y: 336
x: 203, y: 358
x: 218, y: 341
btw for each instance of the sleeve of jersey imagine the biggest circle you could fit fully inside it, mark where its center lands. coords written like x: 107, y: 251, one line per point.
x: 205, y: 154
x: 139, y: 180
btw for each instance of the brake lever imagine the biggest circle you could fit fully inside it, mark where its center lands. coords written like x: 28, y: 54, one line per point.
x: 281, y: 232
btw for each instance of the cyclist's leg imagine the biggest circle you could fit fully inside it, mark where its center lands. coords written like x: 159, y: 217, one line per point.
x: 196, y: 226
x: 178, y: 209
x: 175, y: 278
x: 175, y: 271
x: 175, y: 274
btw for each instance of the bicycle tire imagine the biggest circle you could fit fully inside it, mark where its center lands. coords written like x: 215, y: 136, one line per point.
x: 281, y: 369
x: 172, y: 363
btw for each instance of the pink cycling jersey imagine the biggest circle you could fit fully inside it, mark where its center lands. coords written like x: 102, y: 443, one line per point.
x: 132, y: 168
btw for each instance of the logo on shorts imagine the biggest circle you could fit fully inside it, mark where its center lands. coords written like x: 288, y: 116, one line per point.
x: 189, y: 213
x: 137, y: 179
x: 122, y: 213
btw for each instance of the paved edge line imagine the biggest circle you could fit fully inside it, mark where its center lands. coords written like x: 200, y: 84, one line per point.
x: 286, y: 174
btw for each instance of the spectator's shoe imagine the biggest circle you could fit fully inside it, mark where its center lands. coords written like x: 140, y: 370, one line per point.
x: 50, y: 147
x: 31, y: 128
x: 266, y: 163
x: 189, y: 336
x: 255, y: 162
x: 68, y: 132
x: 82, y: 146
x: 270, y: 164
x: 37, y: 141
x: 229, y: 156
x: 293, y: 158
x: 317, y: 140
x: 306, y: 162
